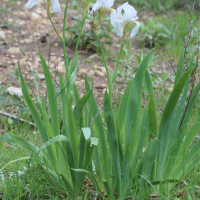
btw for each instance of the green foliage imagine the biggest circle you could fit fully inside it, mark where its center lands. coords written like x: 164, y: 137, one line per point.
x: 153, y: 4
x: 88, y: 38
x: 62, y: 154
x: 156, y: 34
x: 130, y: 153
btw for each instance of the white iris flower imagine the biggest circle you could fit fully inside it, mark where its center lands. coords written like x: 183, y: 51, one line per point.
x: 105, y: 4
x: 124, y: 16
x: 55, y: 5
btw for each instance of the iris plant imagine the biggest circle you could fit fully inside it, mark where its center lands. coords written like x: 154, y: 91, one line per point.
x: 125, y: 16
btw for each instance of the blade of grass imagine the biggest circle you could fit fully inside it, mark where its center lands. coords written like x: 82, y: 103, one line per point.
x: 172, y: 102
x: 113, y: 142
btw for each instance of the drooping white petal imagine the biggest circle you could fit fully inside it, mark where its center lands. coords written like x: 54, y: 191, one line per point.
x: 113, y: 18
x: 90, y: 8
x: 130, y: 13
x: 120, y: 27
x: 31, y: 3
x: 94, y: 7
x: 119, y: 11
x: 126, y: 12
x: 55, y: 5
x: 117, y: 23
x: 135, y: 30
x: 107, y: 3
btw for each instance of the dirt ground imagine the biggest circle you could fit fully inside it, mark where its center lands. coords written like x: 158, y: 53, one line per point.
x: 25, y: 31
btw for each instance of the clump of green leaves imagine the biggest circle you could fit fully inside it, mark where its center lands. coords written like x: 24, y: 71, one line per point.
x: 152, y: 4
x: 88, y: 37
x: 155, y: 33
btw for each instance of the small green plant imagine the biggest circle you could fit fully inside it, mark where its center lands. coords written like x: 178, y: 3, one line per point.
x: 88, y: 38
x: 156, y: 34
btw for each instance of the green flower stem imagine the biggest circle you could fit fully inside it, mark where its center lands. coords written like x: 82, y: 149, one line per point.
x: 56, y: 30
x: 64, y: 50
x: 122, y: 45
x: 108, y: 75
x: 67, y: 70
x: 80, y: 33
x: 64, y: 20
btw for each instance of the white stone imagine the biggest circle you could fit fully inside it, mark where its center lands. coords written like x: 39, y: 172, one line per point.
x: 41, y: 76
x: 2, y: 35
x: 35, y: 16
x: 14, y: 90
x: 14, y: 50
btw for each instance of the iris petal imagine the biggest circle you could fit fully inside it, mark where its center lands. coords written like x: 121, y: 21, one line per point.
x: 31, y: 3
x: 55, y: 6
x: 107, y: 3
x: 96, y: 7
x: 130, y: 14
x: 135, y: 30
x: 120, y: 27
x: 113, y: 18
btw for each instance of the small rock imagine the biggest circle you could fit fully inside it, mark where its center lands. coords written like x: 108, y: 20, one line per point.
x: 2, y: 35
x: 29, y: 64
x: 98, y: 73
x: 14, y: 50
x: 43, y: 38
x: 91, y: 73
x: 92, y: 56
x: 95, y: 67
x: 83, y: 71
x: 103, y: 70
x: 100, y: 86
x: 14, y: 90
x: 35, y: 16
x: 18, y: 3
x: 41, y: 76
x: 61, y: 67
x: 44, y: 14
x: 28, y: 40
x: 38, y: 10
x: 78, y: 83
x: 21, y: 22
x: 170, y: 89
x: 23, y: 33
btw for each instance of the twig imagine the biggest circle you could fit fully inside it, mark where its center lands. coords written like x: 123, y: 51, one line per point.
x: 189, y: 28
x: 186, y: 1
x: 193, y: 82
x: 16, y: 118
x: 170, y: 15
x: 171, y: 62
